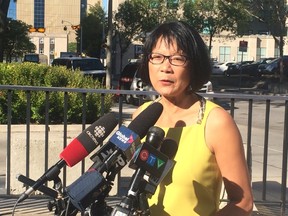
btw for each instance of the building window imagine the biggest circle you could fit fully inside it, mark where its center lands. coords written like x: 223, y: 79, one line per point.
x: 39, y: 10
x: 242, y: 56
x: 224, y: 53
x: 261, y: 53
x: 277, y: 52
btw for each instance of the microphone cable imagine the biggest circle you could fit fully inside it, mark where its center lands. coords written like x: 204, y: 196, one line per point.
x: 14, y: 207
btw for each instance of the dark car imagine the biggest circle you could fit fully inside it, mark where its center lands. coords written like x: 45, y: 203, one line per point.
x: 252, y: 69
x: 127, y: 75
x: 235, y: 69
x: 273, y: 67
x: 88, y: 66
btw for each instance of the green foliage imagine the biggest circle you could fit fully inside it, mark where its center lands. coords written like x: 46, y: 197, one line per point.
x: 30, y: 74
x: 16, y: 40
x: 92, y: 31
x: 211, y: 17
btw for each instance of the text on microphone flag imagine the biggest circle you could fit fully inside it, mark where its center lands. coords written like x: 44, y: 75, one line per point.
x: 126, y: 140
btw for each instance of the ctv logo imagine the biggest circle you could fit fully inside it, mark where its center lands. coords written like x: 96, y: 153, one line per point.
x: 150, y: 159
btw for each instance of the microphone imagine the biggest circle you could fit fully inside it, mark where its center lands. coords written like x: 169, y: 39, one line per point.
x: 148, y: 158
x: 169, y: 148
x: 147, y: 153
x: 121, y: 146
x: 77, y: 150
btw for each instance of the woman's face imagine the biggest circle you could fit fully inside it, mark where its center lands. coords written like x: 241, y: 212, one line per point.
x: 169, y: 80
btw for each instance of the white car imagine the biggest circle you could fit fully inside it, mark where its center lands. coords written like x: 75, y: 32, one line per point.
x: 220, y: 68
x: 207, y: 88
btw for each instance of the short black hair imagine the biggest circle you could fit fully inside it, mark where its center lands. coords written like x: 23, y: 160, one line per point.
x: 189, y: 42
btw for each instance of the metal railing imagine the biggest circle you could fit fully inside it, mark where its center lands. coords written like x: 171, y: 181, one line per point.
x: 265, y: 102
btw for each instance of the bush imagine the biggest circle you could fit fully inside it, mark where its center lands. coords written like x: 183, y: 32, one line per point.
x: 30, y: 74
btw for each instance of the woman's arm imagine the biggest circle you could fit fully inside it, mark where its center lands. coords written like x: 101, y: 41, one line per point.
x: 224, y: 139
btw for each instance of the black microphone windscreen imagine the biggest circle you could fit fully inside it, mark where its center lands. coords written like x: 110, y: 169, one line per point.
x: 141, y: 124
x: 155, y: 136
x: 169, y: 147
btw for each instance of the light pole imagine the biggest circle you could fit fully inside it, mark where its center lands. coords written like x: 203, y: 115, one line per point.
x: 74, y: 27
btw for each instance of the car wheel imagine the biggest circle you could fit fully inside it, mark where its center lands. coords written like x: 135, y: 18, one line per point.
x: 128, y: 99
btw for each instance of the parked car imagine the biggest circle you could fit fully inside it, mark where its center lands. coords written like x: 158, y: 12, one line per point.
x: 138, y: 85
x: 36, y: 58
x: 127, y: 75
x: 252, y: 69
x: 220, y: 68
x: 273, y: 67
x: 87, y: 65
x: 234, y: 69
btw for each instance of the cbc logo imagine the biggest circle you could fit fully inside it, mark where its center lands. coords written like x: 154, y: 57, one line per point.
x: 99, y: 131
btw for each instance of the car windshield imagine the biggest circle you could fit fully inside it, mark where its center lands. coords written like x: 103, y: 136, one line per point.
x: 31, y: 58
x: 275, y: 60
x: 129, y: 70
x: 87, y: 64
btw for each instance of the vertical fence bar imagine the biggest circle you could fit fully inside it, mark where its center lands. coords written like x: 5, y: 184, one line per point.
x: 65, y: 134
x: 284, y: 161
x: 84, y: 109
x: 249, y: 132
x: 102, y: 104
x: 9, y: 120
x: 265, y: 153
x: 232, y: 107
x: 47, y: 106
x: 120, y: 112
x: 28, y: 116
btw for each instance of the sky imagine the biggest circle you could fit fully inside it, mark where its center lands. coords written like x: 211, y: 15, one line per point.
x: 104, y: 5
x: 12, y: 10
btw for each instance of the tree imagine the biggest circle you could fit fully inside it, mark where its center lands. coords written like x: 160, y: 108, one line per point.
x: 16, y: 40
x: 215, y: 16
x: 136, y: 18
x: 274, y: 15
x: 92, y: 31
x: 4, y: 5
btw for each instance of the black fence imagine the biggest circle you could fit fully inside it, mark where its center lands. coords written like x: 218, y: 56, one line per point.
x: 262, y: 120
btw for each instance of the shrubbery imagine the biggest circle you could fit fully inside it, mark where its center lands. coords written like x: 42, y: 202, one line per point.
x: 30, y: 74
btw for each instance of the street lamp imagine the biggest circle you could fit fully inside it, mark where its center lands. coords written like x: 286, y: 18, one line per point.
x: 73, y: 27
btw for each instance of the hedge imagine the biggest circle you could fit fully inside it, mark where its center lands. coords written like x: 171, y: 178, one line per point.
x: 30, y: 74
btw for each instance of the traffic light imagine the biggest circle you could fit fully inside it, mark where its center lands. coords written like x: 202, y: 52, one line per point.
x: 41, y: 29
x: 75, y: 27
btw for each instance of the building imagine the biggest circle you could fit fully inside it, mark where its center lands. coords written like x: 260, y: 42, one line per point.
x: 58, y: 19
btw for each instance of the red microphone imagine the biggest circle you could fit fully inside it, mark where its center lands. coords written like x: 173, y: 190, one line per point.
x: 77, y: 150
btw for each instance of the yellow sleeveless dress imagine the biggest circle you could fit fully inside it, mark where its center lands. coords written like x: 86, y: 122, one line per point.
x: 193, y: 186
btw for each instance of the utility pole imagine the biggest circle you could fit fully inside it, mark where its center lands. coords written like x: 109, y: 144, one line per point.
x: 109, y: 47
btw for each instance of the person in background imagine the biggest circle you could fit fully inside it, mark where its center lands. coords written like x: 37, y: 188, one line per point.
x: 210, y: 149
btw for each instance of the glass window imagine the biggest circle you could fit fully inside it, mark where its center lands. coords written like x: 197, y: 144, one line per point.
x: 88, y: 64
x: 39, y: 10
x: 242, y: 56
x: 261, y: 53
x: 224, y: 53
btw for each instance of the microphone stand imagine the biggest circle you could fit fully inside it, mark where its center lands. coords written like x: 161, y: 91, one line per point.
x: 135, y: 202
